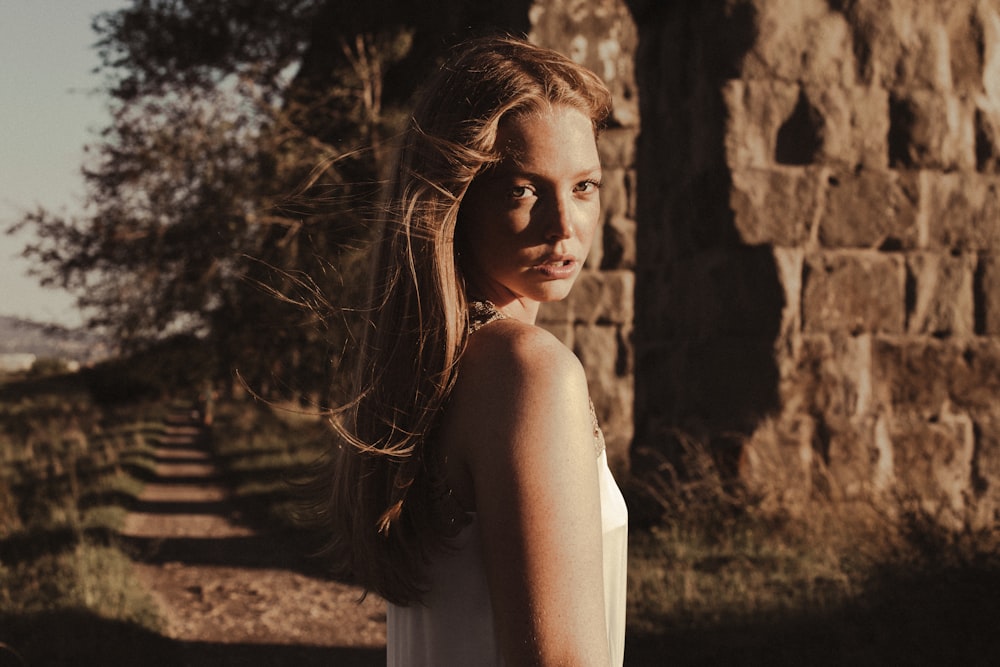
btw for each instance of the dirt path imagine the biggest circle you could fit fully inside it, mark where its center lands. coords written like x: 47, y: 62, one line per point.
x: 230, y: 596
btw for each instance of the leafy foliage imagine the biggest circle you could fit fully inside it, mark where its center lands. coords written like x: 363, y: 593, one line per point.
x: 231, y: 194
x: 224, y: 181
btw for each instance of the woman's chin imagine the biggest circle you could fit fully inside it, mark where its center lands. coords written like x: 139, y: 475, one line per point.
x: 556, y: 291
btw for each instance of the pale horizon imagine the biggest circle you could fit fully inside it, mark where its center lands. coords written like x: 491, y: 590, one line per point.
x: 48, y: 115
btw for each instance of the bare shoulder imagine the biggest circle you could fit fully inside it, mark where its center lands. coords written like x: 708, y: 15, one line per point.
x: 512, y: 355
x: 520, y: 393
x: 523, y: 459
x: 518, y: 385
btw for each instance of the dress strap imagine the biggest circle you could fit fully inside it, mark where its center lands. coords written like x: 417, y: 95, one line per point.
x: 481, y: 313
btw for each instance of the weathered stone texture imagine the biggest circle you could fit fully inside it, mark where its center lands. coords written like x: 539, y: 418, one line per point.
x: 942, y: 299
x: 600, y: 35
x: 612, y: 397
x: 975, y: 380
x: 933, y: 460
x: 986, y: 468
x: 931, y: 130
x: 817, y: 242
x: 963, y: 211
x: 856, y: 464
x: 987, y: 289
x: 757, y: 110
x: 870, y: 209
x: 758, y: 193
x: 782, y: 451
x: 854, y: 292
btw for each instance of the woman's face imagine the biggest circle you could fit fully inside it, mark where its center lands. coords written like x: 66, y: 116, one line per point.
x: 526, y: 225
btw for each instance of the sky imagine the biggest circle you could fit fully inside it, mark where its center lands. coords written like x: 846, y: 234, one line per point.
x: 49, y: 111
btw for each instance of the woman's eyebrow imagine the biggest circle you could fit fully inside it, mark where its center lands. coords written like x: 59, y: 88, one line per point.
x: 504, y: 170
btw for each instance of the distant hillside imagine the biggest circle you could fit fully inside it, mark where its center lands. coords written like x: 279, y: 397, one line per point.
x: 19, y: 336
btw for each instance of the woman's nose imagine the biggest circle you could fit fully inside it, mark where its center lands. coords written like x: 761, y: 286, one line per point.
x: 559, y: 222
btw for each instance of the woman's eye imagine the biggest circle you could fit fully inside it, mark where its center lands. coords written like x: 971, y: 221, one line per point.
x: 521, y: 192
x: 588, y: 186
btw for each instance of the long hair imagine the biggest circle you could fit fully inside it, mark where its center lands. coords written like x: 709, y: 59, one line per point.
x: 378, y: 489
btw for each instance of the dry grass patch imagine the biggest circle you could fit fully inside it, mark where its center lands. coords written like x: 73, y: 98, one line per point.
x: 719, y: 579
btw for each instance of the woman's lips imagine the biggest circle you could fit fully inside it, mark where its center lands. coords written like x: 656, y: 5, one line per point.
x: 557, y: 267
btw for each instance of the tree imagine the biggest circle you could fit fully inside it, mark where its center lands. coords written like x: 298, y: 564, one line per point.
x: 238, y: 174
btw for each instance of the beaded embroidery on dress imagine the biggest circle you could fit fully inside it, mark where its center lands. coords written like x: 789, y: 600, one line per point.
x: 481, y: 313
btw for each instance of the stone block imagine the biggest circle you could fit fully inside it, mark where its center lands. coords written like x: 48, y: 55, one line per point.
x: 860, y: 292
x: 609, y: 247
x: 853, y: 460
x: 987, y: 20
x: 614, y: 194
x: 986, y: 467
x: 870, y: 209
x: 603, y: 297
x: 606, y: 358
x: 855, y: 125
x: 987, y: 138
x: 942, y: 299
x: 933, y: 461
x: 926, y: 45
x: 619, y: 250
x: 616, y: 147
x: 774, y: 206
x: 755, y: 112
x: 987, y: 295
x: 632, y: 186
x: 930, y: 63
x: 833, y: 378
x: 788, y: 262
x: 777, y: 461
x: 919, y: 375
x: 931, y: 130
x: 595, y: 258
x: 561, y: 330
x: 801, y: 41
x: 969, y: 43
x: 600, y: 35
x: 963, y: 211
x: 974, y: 375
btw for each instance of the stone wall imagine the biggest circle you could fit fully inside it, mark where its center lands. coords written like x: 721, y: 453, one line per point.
x: 818, y: 282
x: 596, y: 320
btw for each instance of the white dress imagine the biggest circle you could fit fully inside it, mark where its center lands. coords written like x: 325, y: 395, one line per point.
x: 454, y: 625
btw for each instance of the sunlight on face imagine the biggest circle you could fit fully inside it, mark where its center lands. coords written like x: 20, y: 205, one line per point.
x: 526, y: 226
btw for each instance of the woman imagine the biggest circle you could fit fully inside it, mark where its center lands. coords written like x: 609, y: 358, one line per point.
x: 470, y: 487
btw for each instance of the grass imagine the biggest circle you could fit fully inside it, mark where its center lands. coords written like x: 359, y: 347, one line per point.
x: 68, y: 468
x: 719, y: 580
x: 715, y: 578
x: 264, y: 449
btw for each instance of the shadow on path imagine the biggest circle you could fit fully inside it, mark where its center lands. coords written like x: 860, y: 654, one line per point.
x: 248, y: 551
x: 230, y: 595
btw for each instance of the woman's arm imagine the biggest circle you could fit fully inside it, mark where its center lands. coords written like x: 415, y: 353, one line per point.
x: 531, y: 458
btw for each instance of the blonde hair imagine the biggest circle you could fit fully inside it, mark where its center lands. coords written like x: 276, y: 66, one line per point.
x: 379, y: 487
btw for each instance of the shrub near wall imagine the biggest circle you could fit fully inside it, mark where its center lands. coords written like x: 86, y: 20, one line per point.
x: 819, y: 226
